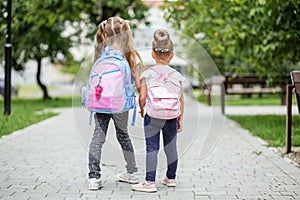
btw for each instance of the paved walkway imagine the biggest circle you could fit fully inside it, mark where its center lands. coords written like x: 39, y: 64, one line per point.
x: 218, y: 160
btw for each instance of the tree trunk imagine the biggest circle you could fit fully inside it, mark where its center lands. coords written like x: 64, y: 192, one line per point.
x: 38, y: 79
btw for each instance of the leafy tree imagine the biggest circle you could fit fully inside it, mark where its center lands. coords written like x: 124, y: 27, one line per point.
x: 244, y: 36
x: 38, y: 27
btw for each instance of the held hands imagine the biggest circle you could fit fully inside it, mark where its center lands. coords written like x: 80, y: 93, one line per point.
x: 142, y: 113
x: 180, y: 125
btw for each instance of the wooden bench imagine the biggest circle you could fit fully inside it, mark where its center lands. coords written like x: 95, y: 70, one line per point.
x: 248, y: 85
x: 295, y: 77
x: 245, y: 85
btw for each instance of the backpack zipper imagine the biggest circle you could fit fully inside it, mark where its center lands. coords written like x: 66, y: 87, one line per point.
x: 109, y: 72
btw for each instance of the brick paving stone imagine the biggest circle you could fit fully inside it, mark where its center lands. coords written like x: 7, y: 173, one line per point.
x: 283, y: 197
x: 146, y: 197
x: 202, y: 197
x: 225, y: 197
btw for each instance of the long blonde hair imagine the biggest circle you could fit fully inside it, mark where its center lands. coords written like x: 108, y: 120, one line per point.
x: 116, y: 30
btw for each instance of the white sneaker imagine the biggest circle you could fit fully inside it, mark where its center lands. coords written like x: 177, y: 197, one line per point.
x: 128, y: 178
x: 95, y: 184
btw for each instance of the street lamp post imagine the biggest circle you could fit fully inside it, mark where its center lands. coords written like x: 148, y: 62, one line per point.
x: 8, y: 48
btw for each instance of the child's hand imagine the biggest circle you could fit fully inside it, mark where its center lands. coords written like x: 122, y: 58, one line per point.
x: 179, y: 125
x: 142, y: 113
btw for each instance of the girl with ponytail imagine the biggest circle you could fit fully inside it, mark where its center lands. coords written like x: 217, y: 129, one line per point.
x: 114, y: 37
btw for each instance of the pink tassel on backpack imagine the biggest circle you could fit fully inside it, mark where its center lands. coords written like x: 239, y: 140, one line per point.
x: 98, y: 91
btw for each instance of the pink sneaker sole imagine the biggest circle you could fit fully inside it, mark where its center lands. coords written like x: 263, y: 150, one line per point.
x: 169, y: 182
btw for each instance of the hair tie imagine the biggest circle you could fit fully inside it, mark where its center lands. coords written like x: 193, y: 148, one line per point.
x: 162, y: 49
x: 103, y: 23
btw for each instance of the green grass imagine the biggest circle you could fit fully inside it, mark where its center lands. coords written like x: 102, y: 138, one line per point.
x: 237, y: 100
x: 270, y: 128
x: 25, y: 112
x: 255, y: 100
x: 72, y: 67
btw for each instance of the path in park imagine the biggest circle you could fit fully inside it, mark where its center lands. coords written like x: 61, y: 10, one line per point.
x: 218, y: 160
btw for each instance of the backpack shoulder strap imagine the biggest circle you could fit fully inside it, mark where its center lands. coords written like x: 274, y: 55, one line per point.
x: 153, y: 69
x: 133, y: 115
x: 165, y: 75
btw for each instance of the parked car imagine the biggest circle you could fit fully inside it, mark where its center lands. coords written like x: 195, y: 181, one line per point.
x: 14, y: 91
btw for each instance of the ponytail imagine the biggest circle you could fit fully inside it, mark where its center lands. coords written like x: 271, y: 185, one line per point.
x: 116, y: 30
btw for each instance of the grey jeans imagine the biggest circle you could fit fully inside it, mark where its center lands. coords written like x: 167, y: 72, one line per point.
x: 98, y: 139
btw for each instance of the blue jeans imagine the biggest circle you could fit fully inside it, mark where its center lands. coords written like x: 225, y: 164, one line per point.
x: 152, y: 128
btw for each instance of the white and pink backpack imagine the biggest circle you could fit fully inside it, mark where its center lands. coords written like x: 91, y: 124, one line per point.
x: 163, y: 96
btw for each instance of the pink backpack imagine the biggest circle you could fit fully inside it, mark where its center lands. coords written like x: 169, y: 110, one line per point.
x: 163, y: 96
